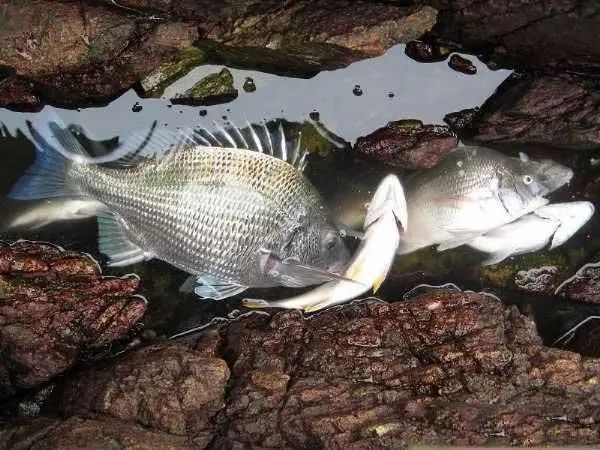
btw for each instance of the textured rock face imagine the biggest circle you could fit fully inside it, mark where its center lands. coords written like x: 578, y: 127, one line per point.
x: 443, y: 368
x: 584, y: 286
x: 535, y: 33
x: 561, y: 111
x: 169, y: 388
x: 408, y: 144
x: 53, y: 305
x: 80, y: 52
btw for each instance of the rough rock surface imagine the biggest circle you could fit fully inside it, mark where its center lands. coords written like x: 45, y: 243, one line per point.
x: 80, y: 433
x: 443, y: 368
x: 212, y: 89
x: 561, y: 111
x: 169, y: 388
x: 463, y: 65
x: 53, y: 305
x: 81, y: 52
x: 584, y: 286
x: 426, y: 52
x: 408, y: 144
x: 541, y: 33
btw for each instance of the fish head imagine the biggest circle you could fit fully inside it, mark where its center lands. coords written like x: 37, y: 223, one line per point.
x: 539, y: 178
x: 315, y: 242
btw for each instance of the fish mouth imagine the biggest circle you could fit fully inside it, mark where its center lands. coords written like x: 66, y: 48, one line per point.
x: 555, y: 176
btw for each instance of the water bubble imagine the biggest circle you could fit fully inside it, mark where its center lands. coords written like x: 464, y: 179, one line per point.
x: 390, y: 94
x: 357, y: 90
x: 224, y: 117
x: 169, y: 106
x: 136, y: 107
x: 249, y: 85
x: 203, y: 112
x: 181, y: 111
x: 314, y: 115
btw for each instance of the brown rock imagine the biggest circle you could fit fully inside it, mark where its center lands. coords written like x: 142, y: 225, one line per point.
x: 528, y: 34
x: 408, y: 144
x: 560, y: 111
x: 86, y: 52
x: 166, y: 387
x: 584, y: 286
x: 54, y: 304
x: 76, y: 432
x: 426, y: 52
x: 462, y: 65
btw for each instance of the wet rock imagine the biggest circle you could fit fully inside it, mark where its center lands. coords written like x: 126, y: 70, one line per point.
x: 538, y: 273
x: 184, y: 61
x: 167, y: 387
x: 249, y: 85
x: 210, y: 90
x: 18, y: 93
x: 552, y: 33
x: 53, y: 305
x: 560, y: 111
x: 424, y: 371
x: 77, y: 53
x: 463, y: 122
x: 408, y: 144
x: 77, y: 432
x: 584, y: 286
x: 426, y: 52
x: 462, y: 65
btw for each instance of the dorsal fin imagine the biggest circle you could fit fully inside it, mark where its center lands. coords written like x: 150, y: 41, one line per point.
x: 159, y: 144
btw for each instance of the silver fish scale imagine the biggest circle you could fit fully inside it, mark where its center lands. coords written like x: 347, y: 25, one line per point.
x: 205, y: 210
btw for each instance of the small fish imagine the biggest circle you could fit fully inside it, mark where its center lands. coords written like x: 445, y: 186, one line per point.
x: 549, y: 225
x: 474, y: 190
x: 372, y: 261
x: 232, y: 217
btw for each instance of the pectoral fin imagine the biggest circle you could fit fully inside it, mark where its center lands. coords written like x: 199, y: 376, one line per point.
x: 291, y: 273
x: 114, y: 242
x: 457, y: 242
x: 207, y: 287
x: 495, y: 258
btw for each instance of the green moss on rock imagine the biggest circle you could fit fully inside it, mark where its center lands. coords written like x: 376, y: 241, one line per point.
x: 210, y: 90
x: 185, y: 60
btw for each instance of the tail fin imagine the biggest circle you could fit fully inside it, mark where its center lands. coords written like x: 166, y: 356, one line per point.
x: 46, y: 177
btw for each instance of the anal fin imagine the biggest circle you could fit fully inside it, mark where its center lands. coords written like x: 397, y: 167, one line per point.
x: 114, y: 242
x: 207, y: 287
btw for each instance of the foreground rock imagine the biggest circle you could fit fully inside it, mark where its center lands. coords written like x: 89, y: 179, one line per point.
x: 76, y: 53
x: 170, y: 388
x: 584, y: 286
x: 53, y: 305
x: 408, y: 144
x: 442, y: 368
x: 560, y: 111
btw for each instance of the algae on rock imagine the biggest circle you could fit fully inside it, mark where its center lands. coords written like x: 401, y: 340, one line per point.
x: 210, y: 90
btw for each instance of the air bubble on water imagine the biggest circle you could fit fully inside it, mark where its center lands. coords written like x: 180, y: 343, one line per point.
x: 314, y: 115
x: 390, y: 94
x: 249, y: 85
x: 169, y: 106
x: 136, y: 107
x: 357, y: 90
x: 203, y: 112
x: 224, y: 117
x: 459, y: 163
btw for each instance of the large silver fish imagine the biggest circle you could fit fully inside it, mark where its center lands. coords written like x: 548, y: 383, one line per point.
x: 474, y: 190
x: 232, y: 217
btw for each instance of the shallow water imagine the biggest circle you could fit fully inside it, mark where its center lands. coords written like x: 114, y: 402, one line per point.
x: 420, y: 91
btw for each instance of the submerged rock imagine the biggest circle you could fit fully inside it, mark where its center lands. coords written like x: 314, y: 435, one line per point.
x: 463, y: 65
x: 53, y: 305
x: 560, y: 111
x: 210, y: 90
x: 584, y: 286
x: 442, y: 368
x: 408, y: 144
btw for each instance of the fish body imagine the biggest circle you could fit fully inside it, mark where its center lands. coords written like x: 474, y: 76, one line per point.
x: 474, y: 190
x: 232, y: 217
x: 551, y: 225
x: 372, y: 261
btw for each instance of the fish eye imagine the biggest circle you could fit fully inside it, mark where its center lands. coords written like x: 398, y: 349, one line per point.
x: 527, y: 179
x: 330, y: 243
